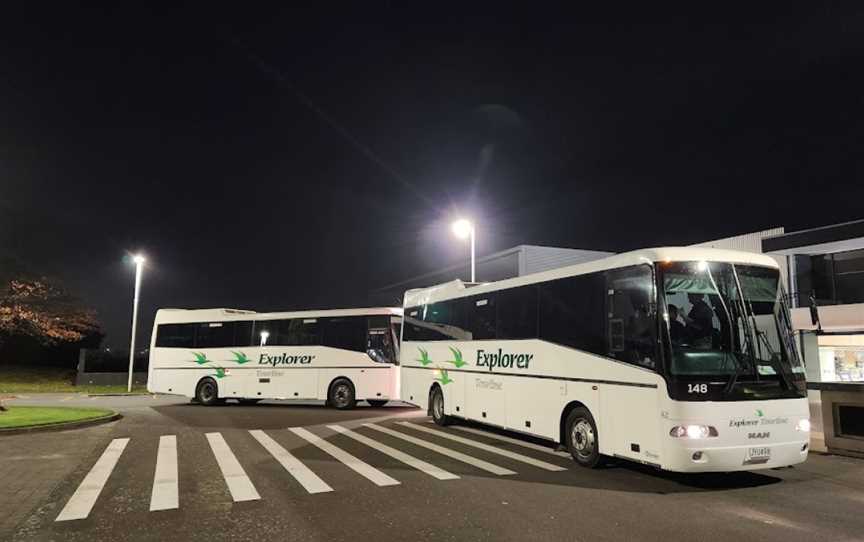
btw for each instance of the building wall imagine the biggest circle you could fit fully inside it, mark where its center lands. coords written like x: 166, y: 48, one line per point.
x: 535, y: 259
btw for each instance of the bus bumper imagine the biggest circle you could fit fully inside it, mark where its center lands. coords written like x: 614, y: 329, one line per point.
x: 698, y: 457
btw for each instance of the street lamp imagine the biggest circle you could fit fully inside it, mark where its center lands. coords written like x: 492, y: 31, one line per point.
x: 464, y: 229
x: 139, y: 263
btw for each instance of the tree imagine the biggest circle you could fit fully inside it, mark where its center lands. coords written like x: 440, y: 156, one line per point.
x: 38, y: 313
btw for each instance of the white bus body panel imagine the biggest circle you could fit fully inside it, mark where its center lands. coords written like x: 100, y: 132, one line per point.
x: 298, y: 372
x: 174, y: 371
x: 741, y: 425
x: 630, y: 405
x: 524, y: 399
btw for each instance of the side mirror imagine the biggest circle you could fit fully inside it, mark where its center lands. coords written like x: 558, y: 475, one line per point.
x: 814, y: 312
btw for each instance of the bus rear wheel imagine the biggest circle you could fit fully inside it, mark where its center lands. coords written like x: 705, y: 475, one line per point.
x: 581, y: 438
x: 436, y: 405
x: 377, y: 403
x: 207, y: 392
x: 341, y: 396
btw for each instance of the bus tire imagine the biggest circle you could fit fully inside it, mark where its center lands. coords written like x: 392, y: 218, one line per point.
x: 341, y: 395
x: 582, y: 439
x: 436, y: 405
x: 248, y: 401
x: 207, y: 392
x: 377, y: 403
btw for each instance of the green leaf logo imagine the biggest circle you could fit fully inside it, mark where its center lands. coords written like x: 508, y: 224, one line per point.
x: 220, y: 373
x: 424, y: 357
x: 457, y: 358
x: 200, y: 358
x: 759, y: 413
x: 443, y: 377
x: 240, y: 358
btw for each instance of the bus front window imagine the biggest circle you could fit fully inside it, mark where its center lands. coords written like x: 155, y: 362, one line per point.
x: 379, y: 346
x: 726, y: 326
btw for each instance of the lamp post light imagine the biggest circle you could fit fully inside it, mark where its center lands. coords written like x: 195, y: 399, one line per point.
x: 139, y: 264
x: 464, y: 229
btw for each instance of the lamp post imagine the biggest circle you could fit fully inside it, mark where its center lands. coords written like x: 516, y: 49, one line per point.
x: 463, y: 229
x: 139, y: 264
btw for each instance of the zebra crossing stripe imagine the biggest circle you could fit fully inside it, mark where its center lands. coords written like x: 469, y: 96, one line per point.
x: 368, y: 471
x: 518, y: 442
x: 165, y: 494
x: 308, y: 479
x: 81, y: 502
x: 418, y: 464
x: 485, y: 447
x: 459, y: 456
x: 239, y: 484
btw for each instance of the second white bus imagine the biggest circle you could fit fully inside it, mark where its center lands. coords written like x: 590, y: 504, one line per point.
x: 680, y: 358
x: 338, y: 356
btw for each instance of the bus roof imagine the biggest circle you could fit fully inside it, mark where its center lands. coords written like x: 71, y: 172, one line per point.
x: 457, y: 288
x: 179, y: 316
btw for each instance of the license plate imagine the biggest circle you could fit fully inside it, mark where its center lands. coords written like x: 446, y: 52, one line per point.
x: 761, y: 454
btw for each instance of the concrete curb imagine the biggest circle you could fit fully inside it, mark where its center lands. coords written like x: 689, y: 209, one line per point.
x: 77, y: 424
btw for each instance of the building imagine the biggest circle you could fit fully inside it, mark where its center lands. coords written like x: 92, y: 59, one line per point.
x: 827, y: 264
x: 513, y: 262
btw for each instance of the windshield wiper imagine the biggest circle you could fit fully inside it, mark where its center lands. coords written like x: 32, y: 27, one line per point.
x: 760, y: 336
x: 733, y: 378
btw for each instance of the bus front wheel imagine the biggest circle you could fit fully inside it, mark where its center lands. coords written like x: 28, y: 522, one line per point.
x: 582, y: 441
x: 436, y: 403
x: 341, y: 394
x: 207, y: 392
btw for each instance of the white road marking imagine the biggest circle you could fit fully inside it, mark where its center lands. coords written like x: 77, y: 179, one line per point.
x: 418, y: 464
x: 308, y: 479
x: 239, y: 484
x: 485, y: 447
x: 165, y: 495
x: 459, y: 456
x: 85, y: 496
x: 502, y: 438
x: 376, y: 476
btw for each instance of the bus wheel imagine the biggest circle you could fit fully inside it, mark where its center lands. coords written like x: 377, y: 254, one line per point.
x: 376, y: 402
x: 582, y: 439
x: 342, y: 394
x: 248, y: 401
x: 207, y: 392
x: 436, y: 402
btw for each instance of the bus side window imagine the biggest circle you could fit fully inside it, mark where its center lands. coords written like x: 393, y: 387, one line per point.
x: 481, y: 317
x: 175, y: 335
x: 631, y: 315
x: 517, y: 313
x: 346, y: 333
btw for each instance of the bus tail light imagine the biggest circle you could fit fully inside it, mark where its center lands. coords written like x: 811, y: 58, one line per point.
x: 693, y: 431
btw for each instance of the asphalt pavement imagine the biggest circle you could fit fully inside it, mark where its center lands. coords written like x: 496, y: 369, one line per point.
x: 170, y: 470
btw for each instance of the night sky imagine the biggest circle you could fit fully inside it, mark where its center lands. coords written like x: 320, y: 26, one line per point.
x: 294, y: 159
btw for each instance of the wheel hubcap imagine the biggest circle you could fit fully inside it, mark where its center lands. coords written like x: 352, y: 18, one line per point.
x: 582, y: 438
x: 438, y: 406
x: 207, y: 392
x: 341, y: 394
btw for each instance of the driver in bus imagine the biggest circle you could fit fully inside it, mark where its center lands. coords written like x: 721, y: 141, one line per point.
x: 699, y: 322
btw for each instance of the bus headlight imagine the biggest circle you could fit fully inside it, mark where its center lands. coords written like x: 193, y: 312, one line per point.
x: 803, y: 425
x: 693, y: 431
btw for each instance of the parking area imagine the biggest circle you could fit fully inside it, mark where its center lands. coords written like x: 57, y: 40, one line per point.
x: 173, y: 470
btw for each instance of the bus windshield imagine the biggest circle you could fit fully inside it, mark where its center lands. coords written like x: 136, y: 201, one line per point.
x: 727, y: 323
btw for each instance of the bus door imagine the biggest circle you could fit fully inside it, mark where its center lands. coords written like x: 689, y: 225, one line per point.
x: 631, y: 407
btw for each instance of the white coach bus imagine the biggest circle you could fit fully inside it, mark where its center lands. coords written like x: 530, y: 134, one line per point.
x: 680, y: 358
x: 340, y: 356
